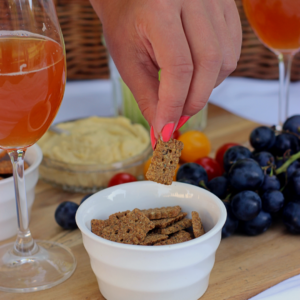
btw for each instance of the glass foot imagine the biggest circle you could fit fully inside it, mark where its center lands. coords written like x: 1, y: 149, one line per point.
x: 51, y: 264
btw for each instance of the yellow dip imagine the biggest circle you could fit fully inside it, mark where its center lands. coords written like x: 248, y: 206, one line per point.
x: 95, y: 140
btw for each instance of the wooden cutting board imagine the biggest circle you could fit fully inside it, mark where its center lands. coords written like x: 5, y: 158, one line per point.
x: 245, y: 266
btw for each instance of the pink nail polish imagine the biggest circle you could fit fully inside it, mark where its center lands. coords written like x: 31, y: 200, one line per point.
x: 152, y: 138
x: 167, y: 131
x: 182, y: 121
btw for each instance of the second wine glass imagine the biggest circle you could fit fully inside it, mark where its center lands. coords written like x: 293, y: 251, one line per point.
x: 277, y: 25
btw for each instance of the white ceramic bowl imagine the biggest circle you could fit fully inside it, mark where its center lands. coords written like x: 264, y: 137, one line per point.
x: 8, y: 212
x: 173, y: 272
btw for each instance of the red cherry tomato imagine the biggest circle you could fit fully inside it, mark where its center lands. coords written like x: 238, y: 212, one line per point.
x: 176, y: 134
x: 221, y: 151
x: 211, y: 166
x: 121, y: 178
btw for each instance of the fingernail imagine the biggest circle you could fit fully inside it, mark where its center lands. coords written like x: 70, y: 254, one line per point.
x: 182, y: 121
x: 152, y: 138
x: 167, y: 131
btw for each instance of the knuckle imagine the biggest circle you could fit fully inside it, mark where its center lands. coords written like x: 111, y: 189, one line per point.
x: 180, y: 69
x: 171, y: 108
x: 228, y: 66
x: 143, y: 104
x: 212, y: 60
x: 196, y: 106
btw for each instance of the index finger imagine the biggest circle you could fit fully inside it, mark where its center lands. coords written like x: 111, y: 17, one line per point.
x: 174, y: 58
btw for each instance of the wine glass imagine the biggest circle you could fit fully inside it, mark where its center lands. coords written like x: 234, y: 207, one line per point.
x: 277, y: 25
x: 32, y: 83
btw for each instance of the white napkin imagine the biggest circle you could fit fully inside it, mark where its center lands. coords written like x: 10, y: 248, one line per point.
x: 286, y: 290
x: 254, y: 99
x: 86, y: 98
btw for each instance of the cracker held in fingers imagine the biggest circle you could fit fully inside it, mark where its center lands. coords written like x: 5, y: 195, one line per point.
x: 197, y: 224
x: 164, y: 161
x: 162, y: 213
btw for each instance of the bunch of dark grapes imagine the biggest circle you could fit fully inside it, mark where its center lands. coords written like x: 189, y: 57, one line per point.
x: 259, y: 186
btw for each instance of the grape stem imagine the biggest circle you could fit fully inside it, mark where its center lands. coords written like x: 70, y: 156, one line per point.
x: 227, y: 198
x: 284, y: 167
x: 203, y: 185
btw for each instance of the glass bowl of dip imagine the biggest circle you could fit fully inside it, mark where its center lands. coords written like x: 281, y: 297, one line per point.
x: 91, y: 151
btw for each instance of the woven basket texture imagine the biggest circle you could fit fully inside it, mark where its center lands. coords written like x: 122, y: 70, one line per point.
x: 82, y: 31
x: 87, y: 56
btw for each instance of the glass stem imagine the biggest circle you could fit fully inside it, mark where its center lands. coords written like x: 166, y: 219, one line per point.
x: 24, y: 244
x: 285, y: 63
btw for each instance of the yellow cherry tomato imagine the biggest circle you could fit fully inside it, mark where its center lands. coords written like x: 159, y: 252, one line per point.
x: 196, y: 145
x: 146, y: 167
x: 147, y: 164
x: 176, y: 170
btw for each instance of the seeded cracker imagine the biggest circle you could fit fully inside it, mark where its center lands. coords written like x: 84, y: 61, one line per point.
x: 98, y: 225
x: 117, y: 216
x: 197, y: 224
x: 164, y: 161
x: 154, y: 238
x: 176, y: 238
x: 163, y: 223
x: 129, y: 229
x: 6, y: 167
x: 185, y: 223
x: 2, y: 153
x: 162, y: 213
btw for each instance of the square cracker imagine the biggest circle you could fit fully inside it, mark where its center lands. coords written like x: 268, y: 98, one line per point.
x: 178, y: 237
x: 162, y: 213
x: 129, y: 229
x: 164, y: 161
x: 197, y: 224
x: 185, y: 223
x: 115, y: 218
x: 153, y: 238
x: 163, y: 223
x: 98, y: 225
x: 6, y: 167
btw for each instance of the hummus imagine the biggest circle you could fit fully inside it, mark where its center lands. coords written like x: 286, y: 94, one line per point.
x: 95, y: 140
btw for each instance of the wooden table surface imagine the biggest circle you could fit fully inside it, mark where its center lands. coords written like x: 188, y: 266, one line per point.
x: 245, y: 266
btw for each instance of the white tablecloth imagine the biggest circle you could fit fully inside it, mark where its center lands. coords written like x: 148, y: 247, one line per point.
x: 252, y: 99
x: 86, y: 98
x: 255, y: 99
x: 285, y: 290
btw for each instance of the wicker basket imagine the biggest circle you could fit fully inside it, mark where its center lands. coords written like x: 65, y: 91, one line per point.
x: 82, y: 31
x: 87, y: 56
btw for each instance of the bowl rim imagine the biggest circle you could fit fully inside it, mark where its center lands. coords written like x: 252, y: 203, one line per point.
x: 218, y: 226
x: 32, y: 167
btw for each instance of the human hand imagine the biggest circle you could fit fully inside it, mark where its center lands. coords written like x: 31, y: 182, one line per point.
x: 195, y: 43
